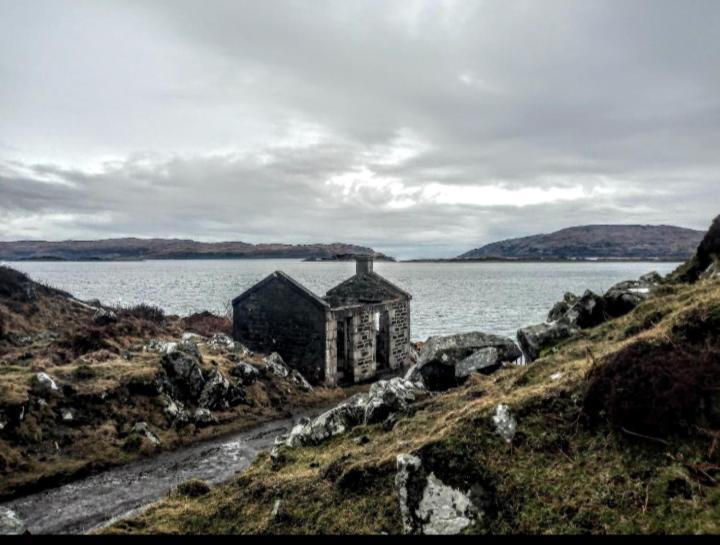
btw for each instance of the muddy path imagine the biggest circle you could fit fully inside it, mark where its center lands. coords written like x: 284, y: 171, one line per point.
x: 94, y: 501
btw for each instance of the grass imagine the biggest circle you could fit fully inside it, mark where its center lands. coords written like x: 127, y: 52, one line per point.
x: 564, y: 473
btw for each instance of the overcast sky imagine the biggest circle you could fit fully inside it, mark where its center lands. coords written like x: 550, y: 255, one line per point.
x: 421, y: 128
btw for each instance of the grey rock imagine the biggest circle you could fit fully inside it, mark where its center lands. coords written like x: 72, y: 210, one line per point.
x: 246, y: 373
x: 505, y: 423
x: 174, y: 410
x: 561, y: 307
x: 142, y: 428
x: 189, y: 336
x: 534, y: 339
x: 440, y: 355
x: 429, y: 506
x: 215, y: 392
x: 45, y: 385
x: 276, y: 365
x: 299, y: 380
x: 203, y: 417
x: 10, y: 523
x: 104, y: 317
x: 485, y: 360
x: 712, y: 272
x: 588, y: 311
x: 183, y: 371
x: 67, y: 415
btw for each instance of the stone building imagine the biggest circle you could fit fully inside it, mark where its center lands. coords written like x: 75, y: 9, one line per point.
x: 359, y: 330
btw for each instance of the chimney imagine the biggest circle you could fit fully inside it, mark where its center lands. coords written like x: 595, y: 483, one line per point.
x: 363, y: 264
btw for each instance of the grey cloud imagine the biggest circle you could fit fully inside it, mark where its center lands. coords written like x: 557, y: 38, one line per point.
x: 227, y: 119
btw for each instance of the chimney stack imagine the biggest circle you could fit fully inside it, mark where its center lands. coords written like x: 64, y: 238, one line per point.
x: 363, y: 264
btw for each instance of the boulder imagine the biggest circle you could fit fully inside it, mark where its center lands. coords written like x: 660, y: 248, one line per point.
x: 486, y: 360
x: 440, y: 355
x: 183, y: 371
x: 44, y: 385
x: 174, y: 410
x: 384, y: 399
x: 588, y: 311
x: 534, y: 339
x: 299, y: 380
x: 104, y: 317
x: 245, y: 373
x: 203, y: 417
x: 218, y: 393
x: 561, y: 307
x: 276, y: 365
x: 712, y: 272
x: 10, y: 523
x: 429, y: 506
x: 142, y: 428
x: 67, y: 415
x: 188, y: 336
x: 505, y: 423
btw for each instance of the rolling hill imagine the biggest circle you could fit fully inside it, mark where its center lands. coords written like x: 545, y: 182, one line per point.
x: 597, y: 241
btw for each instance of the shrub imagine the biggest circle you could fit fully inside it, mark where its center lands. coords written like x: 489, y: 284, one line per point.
x: 205, y: 323
x: 144, y: 311
x: 194, y: 488
x: 653, y: 389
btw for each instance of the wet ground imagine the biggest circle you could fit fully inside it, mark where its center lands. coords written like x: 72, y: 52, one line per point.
x: 88, y: 503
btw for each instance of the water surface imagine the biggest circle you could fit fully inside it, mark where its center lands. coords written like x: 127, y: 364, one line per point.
x: 447, y: 297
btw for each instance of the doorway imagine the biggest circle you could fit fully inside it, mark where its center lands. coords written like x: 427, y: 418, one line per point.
x: 382, y: 339
x: 344, y: 351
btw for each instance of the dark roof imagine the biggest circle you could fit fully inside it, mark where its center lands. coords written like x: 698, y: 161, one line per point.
x: 365, y: 288
x: 279, y: 275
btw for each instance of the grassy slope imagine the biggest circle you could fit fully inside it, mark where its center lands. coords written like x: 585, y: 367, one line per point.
x: 560, y: 475
x: 108, y: 371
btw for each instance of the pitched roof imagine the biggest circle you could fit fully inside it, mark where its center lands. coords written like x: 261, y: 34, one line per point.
x: 279, y: 275
x: 365, y: 288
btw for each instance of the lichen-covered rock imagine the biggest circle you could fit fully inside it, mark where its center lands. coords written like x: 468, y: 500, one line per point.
x: 429, y: 506
x: 296, y: 378
x: 162, y: 347
x: 188, y: 336
x: 10, y: 523
x: 174, y: 410
x: 505, y: 423
x: 534, y: 339
x: 245, y: 373
x: 222, y: 343
x: 440, y: 355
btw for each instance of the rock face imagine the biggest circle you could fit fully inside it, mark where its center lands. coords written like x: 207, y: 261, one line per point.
x: 534, y: 339
x: 588, y: 311
x: 429, y: 506
x: 445, y: 361
x: 10, y: 523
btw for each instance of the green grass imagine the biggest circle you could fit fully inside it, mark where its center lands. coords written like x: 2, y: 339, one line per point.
x: 560, y: 475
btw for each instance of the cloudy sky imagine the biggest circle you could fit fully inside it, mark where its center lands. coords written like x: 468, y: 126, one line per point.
x: 421, y: 128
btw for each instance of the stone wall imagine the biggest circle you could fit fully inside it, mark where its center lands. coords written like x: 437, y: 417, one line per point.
x: 277, y: 317
x: 399, y: 333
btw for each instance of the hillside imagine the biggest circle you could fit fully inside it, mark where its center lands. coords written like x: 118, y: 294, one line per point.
x: 598, y: 241
x: 156, y: 248
x: 614, y: 431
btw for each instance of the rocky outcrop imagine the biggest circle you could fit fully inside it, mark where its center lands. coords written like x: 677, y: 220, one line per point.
x: 275, y: 365
x: 44, y: 385
x: 184, y: 373
x: 203, y: 417
x: 245, y: 373
x: 445, y: 362
x: 219, y: 393
x: 220, y: 342
x: 429, y: 506
x: 384, y: 399
x: 712, y: 272
x: 143, y: 429
x: 535, y: 339
x: 10, y: 523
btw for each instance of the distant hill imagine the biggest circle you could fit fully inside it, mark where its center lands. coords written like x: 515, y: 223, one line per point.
x: 597, y: 241
x: 157, y: 248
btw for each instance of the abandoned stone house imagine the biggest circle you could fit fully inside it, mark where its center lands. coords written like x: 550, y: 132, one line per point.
x: 359, y: 330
